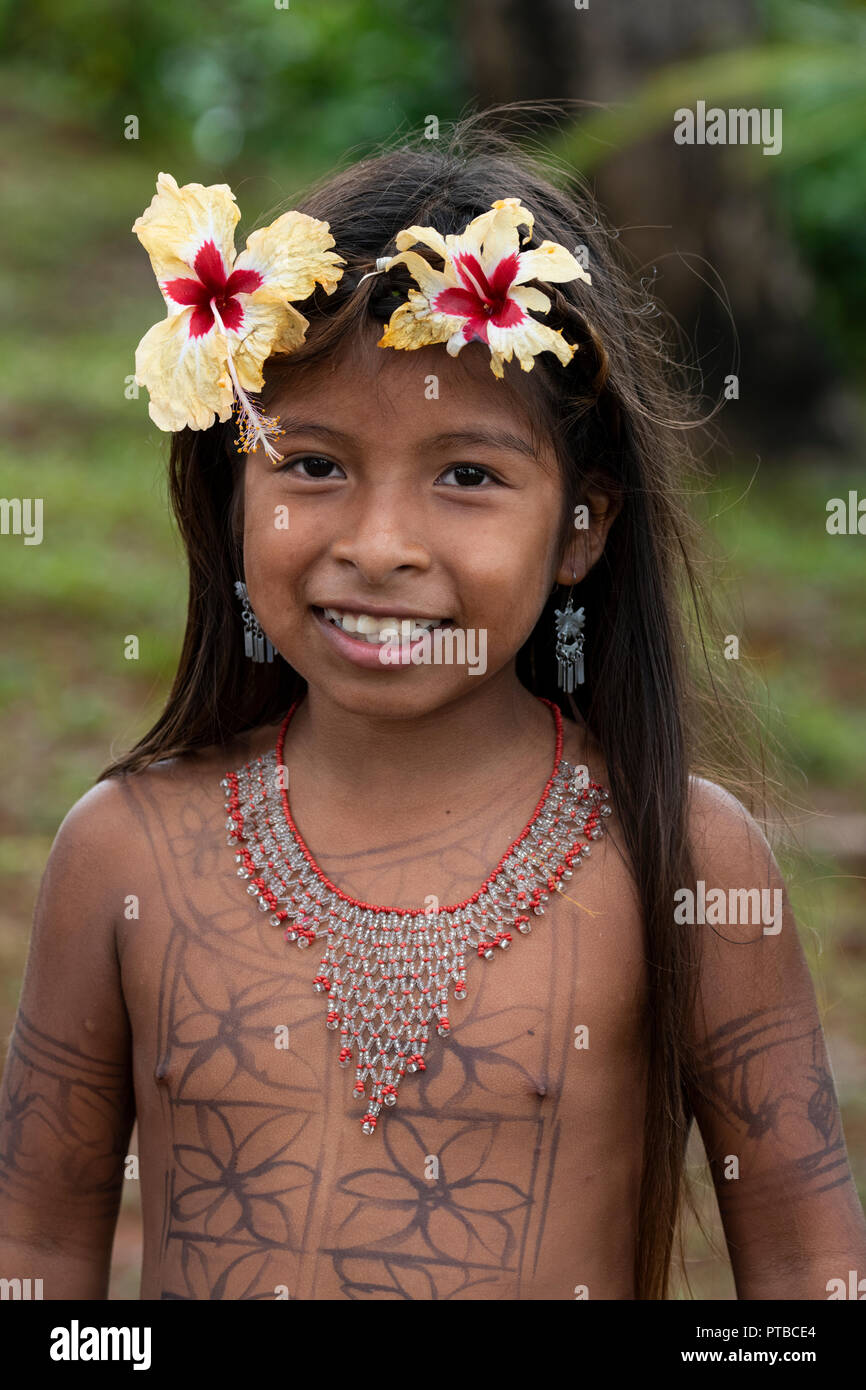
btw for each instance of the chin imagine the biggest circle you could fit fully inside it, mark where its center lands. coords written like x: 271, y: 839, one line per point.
x: 398, y: 699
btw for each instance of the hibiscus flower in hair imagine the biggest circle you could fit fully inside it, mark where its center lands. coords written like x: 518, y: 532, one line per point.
x: 481, y: 291
x: 226, y: 313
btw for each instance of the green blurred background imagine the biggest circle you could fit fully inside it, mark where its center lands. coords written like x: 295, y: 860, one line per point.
x: 267, y: 99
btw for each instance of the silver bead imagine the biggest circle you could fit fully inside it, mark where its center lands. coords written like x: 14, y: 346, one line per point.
x: 504, y: 945
x: 303, y: 943
x: 368, y: 1127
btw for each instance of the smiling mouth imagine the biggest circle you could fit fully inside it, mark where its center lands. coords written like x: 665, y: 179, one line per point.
x: 375, y: 631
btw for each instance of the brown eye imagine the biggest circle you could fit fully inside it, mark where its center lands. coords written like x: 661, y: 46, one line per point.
x: 470, y: 475
x: 315, y: 460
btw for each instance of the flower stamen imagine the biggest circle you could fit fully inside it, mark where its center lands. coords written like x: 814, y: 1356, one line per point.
x: 254, y: 427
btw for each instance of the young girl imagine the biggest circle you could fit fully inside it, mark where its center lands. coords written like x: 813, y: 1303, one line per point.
x: 433, y: 641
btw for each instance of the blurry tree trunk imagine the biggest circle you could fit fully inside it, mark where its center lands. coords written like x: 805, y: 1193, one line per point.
x: 677, y: 204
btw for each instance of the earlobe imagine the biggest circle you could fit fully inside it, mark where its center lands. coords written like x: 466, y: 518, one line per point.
x: 569, y: 571
x: 580, y: 555
x: 593, y: 519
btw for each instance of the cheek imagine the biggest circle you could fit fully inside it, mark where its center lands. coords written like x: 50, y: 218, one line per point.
x: 508, y: 581
x: 513, y: 561
x: 273, y: 540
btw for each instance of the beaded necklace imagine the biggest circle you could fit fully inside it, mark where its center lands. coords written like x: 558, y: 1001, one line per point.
x: 386, y: 970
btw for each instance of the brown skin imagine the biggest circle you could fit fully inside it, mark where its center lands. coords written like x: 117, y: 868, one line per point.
x: 255, y: 1176
x: 390, y: 525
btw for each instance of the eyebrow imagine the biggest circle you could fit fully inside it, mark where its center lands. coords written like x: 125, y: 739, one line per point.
x: 492, y: 438
x: 497, y: 439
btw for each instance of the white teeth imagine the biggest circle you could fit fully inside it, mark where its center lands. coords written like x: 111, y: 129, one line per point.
x: 379, y: 630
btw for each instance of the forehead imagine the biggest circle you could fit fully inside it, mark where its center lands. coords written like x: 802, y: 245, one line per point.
x: 375, y: 388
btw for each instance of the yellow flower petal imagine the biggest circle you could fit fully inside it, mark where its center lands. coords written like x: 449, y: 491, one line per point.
x: 291, y: 331
x: 526, y: 340
x: 412, y: 325
x: 427, y: 235
x: 497, y: 230
x: 528, y: 297
x: 521, y: 216
x: 187, y: 378
x: 179, y: 221
x: 431, y: 281
x: 266, y: 329
x: 292, y: 255
x: 503, y: 217
x: 550, y: 262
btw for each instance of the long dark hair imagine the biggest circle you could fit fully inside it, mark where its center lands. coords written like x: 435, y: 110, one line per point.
x: 619, y: 419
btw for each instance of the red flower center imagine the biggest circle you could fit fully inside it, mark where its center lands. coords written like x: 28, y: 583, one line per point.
x: 212, y: 285
x: 482, y: 301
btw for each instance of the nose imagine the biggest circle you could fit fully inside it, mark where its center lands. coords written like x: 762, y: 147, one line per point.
x: 381, y: 532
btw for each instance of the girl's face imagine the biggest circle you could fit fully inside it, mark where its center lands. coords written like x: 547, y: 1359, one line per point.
x: 410, y: 487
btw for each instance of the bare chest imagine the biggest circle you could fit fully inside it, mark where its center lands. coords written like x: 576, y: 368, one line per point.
x: 259, y: 1175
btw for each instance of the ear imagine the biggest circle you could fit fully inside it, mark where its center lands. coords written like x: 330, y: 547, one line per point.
x: 593, y: 519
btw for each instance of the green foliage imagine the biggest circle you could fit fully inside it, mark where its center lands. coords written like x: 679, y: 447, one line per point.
x: 819, y: 188
x: 802, y: 621
x: 810, y: 63
x: 212, y: 83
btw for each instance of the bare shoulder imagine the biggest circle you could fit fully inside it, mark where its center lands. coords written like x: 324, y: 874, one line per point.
x: 726, y: 839
x: 94, y: 831
x: 175, y: 779
x: 715, y: 808
x: 117, y: 834
x: 751, y: 954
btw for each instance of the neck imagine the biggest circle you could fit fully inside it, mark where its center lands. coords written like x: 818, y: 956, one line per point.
x: 467, y: 746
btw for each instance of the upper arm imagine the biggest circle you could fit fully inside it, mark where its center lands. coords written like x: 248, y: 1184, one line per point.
x: 765, y: 1099
x: 66, y: 1105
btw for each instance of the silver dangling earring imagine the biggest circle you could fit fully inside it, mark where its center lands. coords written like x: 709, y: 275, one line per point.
x: 256, y: 644
x: 569, y: 645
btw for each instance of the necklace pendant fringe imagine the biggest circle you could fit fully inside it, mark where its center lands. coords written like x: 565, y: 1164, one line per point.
x: 387, y: 972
